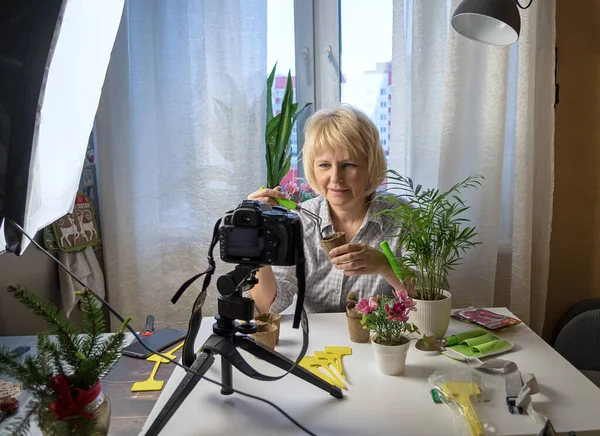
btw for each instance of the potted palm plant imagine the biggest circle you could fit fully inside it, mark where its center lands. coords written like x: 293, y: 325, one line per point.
x: 434, y: 238
x: 64, y: 375
x: 278, y: 131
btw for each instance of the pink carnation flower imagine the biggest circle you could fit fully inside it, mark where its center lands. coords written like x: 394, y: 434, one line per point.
x: 397, y: 312
x: 366, y: 306
x: 403, y: 296
x: 291, y: 188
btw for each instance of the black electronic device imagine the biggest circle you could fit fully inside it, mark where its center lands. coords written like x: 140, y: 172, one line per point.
x: 158, y: 341
x: 254, y: 219
x: 257, y: 234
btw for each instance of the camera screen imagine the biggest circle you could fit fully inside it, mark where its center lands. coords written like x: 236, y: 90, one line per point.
x: 244, y: 242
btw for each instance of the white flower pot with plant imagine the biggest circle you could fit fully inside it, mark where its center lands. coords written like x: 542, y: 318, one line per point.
x: 387, y: 317
x: 434, y: 237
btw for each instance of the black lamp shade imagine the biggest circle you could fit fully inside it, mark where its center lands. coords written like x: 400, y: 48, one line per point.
x: 495, y: 22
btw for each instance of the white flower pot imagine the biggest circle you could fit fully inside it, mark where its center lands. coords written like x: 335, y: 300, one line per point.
x: 390, y: 359
x: 432, y: 317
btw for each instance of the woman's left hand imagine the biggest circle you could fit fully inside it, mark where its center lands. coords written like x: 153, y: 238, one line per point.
x: 358, y: 259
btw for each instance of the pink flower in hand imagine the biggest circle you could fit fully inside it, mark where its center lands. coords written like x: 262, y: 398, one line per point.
x: 306, y: 188
x: 291, y: 188
x: 366, y: 306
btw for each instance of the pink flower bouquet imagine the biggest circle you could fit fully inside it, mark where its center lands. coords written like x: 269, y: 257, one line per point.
x: 387, y: 316
x: 298, y: 191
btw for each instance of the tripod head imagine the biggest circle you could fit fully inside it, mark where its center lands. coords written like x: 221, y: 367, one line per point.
x: 231, y: 304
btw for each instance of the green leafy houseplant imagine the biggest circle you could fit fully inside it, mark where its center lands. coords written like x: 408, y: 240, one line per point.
x: 434, y: 236
x: 279, y: 130
x: 66, y: 369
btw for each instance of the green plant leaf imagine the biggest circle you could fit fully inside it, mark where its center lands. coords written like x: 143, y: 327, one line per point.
x: 270, y: 80
x: 434, y: 235
x: 285, y: 126
x: 297, y: 114
x: 278, y: 132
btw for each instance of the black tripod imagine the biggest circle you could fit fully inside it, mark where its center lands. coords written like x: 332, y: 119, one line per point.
x: 227, y: 336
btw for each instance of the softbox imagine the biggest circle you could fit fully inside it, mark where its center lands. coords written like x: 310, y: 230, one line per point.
x: 53, y: 60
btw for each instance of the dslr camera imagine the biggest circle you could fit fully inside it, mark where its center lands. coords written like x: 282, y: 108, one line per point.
x: 258, y: 234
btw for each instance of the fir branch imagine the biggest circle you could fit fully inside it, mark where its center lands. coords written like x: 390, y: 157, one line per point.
x: 109, y: 353
x: 21, y: 426
x: 93, y: 323
x: 59, y: 365
x: 43, y: 359
x: 37, y: 376
x: 10, y: 366
x: 57, y: 323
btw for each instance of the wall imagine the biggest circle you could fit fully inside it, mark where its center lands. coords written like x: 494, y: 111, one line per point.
x: 35, y: 271
x: 575, y: 245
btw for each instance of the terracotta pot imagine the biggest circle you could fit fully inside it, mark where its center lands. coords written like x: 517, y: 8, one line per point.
x: 356, y: 330
x: 432, y: 317
x: 266, y: 334
x: 334, y: 240
x: 390, y: 359
x: 272, y: 318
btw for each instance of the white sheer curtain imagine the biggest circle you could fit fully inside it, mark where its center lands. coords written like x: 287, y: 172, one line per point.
x: 180, y: 142
x: 460, y: 107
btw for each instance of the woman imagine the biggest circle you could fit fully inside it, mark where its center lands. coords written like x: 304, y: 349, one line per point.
x: 344, y: 162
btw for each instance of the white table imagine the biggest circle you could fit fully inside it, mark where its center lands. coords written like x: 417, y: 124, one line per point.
x: 375, y: 403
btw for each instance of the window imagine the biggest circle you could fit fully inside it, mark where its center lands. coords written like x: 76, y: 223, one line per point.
x: 306, y: 37
x: 281, y: 49
x: 366, y: 56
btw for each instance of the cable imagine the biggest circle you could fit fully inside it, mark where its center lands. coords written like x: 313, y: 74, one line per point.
x: 519, y: 4
x: 139, y: 338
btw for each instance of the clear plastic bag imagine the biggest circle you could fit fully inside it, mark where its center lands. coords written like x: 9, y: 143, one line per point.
x: 463, y: 392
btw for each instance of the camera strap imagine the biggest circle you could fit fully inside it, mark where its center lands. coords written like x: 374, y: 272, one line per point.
x: 188, y: 355
x: 300, y: 277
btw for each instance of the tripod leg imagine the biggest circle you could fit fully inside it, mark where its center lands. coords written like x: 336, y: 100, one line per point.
x: 280, y: 361
x: 226, y: 377
x: 228, y: 351
x: 204, y: 360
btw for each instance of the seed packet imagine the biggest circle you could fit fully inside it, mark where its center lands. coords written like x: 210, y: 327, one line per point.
x: 485, y: 318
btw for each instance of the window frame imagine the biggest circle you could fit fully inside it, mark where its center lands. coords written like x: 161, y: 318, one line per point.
x: 317, y: 56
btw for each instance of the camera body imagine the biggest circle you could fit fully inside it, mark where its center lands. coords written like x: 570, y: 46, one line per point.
x: 256, y: 233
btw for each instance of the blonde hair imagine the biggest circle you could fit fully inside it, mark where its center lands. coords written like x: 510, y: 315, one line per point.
x: 343, y: 130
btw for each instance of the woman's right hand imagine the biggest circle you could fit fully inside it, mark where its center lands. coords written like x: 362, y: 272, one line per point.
x: 267, y: 195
